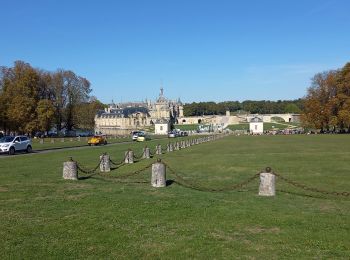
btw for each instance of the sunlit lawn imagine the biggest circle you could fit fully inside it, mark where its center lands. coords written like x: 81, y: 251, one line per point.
x: 43, y: 216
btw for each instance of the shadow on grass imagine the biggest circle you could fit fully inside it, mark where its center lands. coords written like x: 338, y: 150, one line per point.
x: 304, y: 195
x: 169, y: 182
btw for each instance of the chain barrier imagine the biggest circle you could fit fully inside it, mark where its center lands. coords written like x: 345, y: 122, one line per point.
x: 188, y: 184
x: 307, y: 188
x: 137, y: 158
x: 116, y: 163
x: 109, y: 176
x: 83, y: 169
x: 151, y: 153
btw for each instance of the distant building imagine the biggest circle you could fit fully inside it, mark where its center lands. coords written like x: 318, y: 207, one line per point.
x: 161, y: 126
x: 256, y: 125
x: 122, y: 118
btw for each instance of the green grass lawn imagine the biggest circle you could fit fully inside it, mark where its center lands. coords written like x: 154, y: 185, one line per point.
x: 44, y: 216
x: 49, y: 143
x: 267, y: 126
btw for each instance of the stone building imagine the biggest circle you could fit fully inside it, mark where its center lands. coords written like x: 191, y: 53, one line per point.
x: 122, y: 118
x: 256, y: 125
x: 161, y: 126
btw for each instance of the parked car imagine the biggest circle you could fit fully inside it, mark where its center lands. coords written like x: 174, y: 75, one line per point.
x: 142, y: 137
x: 97, y: 140
x: 135, y: 134
x: 183, y: 133
x: 13, y: 144
x: 172, y: 135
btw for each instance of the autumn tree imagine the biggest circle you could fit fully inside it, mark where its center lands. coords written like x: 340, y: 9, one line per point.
x: 32, y: 99
x: 327, y: 104
x: 45, y: 112
x: 20, y: 93
x: 85, y: 117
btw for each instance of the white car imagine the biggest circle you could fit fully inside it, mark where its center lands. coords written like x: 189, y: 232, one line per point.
x: 171, y: 135
x: 135, y: 135
x: 12, y: 144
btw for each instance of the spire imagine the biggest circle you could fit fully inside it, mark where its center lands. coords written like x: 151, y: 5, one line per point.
x: 161, y: 94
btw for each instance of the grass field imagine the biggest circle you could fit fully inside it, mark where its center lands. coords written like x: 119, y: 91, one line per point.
x: 49, y: 143
x: 43, y: 216
x: 75, y: 142
x: 267, y: 126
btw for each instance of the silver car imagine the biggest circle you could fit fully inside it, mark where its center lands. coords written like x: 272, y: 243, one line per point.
x: 12, y: 144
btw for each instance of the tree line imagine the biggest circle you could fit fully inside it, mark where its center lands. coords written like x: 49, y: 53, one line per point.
x: 327, y: 103
x: 34, y: 100
x: 248, y: 106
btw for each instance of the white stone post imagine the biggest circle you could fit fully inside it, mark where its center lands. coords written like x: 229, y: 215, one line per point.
x: 146, y: 153
x: 129, y: 156
x: 70, y: 171
x: 158, y: 174
x: 105, y: 165
x: 159, y: 149
x: 267, y: 183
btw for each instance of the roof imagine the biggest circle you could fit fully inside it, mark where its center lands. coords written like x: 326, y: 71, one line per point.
x: 256, y: 119
x: 161, y: 121
x: 123, y: 112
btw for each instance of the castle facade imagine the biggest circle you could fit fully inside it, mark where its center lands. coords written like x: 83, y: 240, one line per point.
x: 122, y: 118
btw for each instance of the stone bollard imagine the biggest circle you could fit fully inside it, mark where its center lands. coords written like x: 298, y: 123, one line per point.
x: 52, y: 141
x: 41, y: 141
x: 146, y: 153
x: 105, y: 165
x: 159, y: 149
x: 170, y: 147
x: 176, y: 146
x: 158, y: 174
x: 129, y: 156
x: 183, y: 145
x: 70, y: 170
x: 267, y: 183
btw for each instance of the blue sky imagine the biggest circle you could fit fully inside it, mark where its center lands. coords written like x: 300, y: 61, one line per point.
x: 201, y: 50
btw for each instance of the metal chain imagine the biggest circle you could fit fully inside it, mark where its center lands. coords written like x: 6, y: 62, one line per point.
x: 181, y: 181
x: 83, y: 169
x: 137, y: 158
x: 307, y: 188
x: 109, y: 176
x: 119, y: 163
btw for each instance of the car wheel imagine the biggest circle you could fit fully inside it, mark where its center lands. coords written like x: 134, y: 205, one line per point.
x: 29, y: 149
x: 12, y: 151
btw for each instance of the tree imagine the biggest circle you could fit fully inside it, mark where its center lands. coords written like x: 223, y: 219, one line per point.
x: 46, y: 113
x: 20, y: 93
x: 33, y: 99
x: 327, y: 104
x: 86, y: 112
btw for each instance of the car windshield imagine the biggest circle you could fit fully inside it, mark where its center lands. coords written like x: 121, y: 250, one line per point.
x: 6, y: 139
